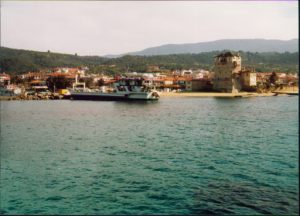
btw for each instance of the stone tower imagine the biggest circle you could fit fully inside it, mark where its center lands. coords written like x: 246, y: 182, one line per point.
x: 227, y: 68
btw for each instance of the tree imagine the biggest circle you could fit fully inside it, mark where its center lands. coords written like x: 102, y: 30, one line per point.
x: 58, y: 82
x: 88, y: 81
x: 16, y: 80
x: 101, y: 82
x: 273, y: 78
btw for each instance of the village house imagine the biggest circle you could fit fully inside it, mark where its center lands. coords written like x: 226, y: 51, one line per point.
x: 292, y: 79
x: 148, y: 81
x: 6, y: 88
x: 38, y: 85
x: 168, y: 82
x: 4, y: 79
x: 162, y: 83
x: 160, y: 76
x: 14, y: 89
x: 176, y: 72
x: 201, y: 74
x: 97, y: 77
x: 107, y: 84
x: 158, y: 83
x: 187, y: 73
x: 184, y: 83
x: 279, y: 80
x: 201, y: 84
x: 34, y: 76
x: 139, y: 74
x: 71, y: 71
x: 283, y: 79
x: 248, y: 79
x: 262, y: 78
x: 184, y: 72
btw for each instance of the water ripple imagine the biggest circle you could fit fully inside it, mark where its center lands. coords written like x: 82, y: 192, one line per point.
x: 177, y: 156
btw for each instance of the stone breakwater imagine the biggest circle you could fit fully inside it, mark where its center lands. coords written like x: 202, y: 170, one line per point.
x: 34, y: 97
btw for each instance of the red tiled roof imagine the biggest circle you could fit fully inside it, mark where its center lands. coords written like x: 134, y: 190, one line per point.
x: 5, y: 75
x: 109, y: 81
x: 57, y: 74
x: 168, y: 79
x: 36, y: 81
x: 184, y: 79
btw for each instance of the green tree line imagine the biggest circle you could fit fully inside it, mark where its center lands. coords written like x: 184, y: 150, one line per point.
x: 16, y: 61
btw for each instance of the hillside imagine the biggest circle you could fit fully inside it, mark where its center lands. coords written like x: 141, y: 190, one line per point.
x: 246, y: 45
x: 16, y: 61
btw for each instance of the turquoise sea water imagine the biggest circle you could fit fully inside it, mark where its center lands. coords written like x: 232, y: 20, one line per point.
x: 173, y: 156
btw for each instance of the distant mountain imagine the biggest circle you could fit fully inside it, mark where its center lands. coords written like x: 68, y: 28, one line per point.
x: 246, y: 45
x: 113, y: 56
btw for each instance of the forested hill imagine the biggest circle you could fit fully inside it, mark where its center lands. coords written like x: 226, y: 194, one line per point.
x: 16, y: 61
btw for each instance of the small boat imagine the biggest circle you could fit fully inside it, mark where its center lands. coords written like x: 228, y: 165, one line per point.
x: 124, y: 89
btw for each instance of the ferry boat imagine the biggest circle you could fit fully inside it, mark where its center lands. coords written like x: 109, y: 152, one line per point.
x: 124, y: 89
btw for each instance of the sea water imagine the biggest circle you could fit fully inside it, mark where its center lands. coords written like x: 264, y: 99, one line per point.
x: 173, y: 156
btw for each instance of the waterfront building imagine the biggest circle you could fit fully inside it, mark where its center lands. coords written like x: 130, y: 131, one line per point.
x: 262, y: 78
x: 187, y: 73
x: 248, y: 79
x: 34, y: 76
x: 284, y: 79
x: 201, y: 84
x: 148, y: 82
x: 14, y: 89
x: 184, y: 83
x: 227, y: 68
x: 4, y: 79
x: 71, y: 71
x: 201, y: 74
x: 159, y: 82
x: 38, y: 85
x: 168, y: 81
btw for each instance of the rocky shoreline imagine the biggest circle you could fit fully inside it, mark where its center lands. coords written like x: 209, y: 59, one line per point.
x: 34, y: 97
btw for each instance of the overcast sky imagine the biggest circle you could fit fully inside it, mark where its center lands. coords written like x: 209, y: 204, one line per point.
x: 103, y: 27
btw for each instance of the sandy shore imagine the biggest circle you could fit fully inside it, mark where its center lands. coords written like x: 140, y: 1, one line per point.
x: 200, y: 94
x: 217, y: 94
x: 285, y: 92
